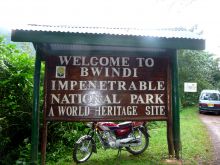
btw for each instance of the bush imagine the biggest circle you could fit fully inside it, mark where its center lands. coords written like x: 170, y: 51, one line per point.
x: 16, y: 104
x: 61, y: 137
x: 16, y: 83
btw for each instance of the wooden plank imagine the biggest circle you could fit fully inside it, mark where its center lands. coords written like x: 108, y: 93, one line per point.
x: 107, y: 88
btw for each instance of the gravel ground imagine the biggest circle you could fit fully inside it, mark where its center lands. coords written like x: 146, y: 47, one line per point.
x: 213, y: 124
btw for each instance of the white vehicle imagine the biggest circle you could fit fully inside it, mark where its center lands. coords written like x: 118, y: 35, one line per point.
x: 209, y: 101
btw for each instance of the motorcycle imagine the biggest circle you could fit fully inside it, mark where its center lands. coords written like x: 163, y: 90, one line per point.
x: 133, y: 136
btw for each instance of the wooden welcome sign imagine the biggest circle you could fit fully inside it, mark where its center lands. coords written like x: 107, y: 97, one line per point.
x: 107, y: 74
x: 107, y: 88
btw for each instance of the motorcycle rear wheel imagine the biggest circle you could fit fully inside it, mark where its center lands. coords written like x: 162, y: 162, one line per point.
x: 135, y: 150
x: 82, y: 150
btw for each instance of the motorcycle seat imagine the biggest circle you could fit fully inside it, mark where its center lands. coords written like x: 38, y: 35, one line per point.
x: 125, y: 124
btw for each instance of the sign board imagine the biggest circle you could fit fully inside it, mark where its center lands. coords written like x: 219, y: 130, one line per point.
x: 107, y: 88
x: 190, y: 87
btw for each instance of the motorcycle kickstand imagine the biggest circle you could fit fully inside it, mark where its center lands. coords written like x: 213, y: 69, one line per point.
x: 119, y: 152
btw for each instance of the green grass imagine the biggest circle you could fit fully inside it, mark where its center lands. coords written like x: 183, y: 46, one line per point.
x: 196, y: 146
x: 196, y: 143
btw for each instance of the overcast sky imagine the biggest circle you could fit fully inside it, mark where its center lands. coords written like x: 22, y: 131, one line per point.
x: 118, y: 13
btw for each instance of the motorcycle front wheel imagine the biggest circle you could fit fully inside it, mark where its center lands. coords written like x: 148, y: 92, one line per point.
x: 144, y: 142
x: 82, y: 150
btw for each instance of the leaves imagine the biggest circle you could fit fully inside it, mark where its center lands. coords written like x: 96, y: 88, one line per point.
x: 199, y: 67
x: 16, y: 82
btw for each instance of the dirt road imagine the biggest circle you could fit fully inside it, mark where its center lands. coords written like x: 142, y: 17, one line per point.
x: 213, y: 124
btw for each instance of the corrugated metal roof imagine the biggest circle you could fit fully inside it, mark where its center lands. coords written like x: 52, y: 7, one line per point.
x: 168, y: 38
x: 176, y: 32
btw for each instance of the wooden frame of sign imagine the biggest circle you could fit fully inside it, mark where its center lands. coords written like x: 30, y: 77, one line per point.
x: 116, y: 87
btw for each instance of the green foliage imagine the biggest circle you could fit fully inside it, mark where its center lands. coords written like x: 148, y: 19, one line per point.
x: 16, y: 83
x: 16, y: 99
x: 192, y: 151
x: 199, y: 67
x: 156, y: 124
x: 61, y: 137
x: 196, y: 143
x: 24, y: 152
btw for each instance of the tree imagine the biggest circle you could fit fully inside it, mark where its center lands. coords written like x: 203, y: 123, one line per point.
x: 199, y: 67
x: 16, y: 99
x: 16, y: 83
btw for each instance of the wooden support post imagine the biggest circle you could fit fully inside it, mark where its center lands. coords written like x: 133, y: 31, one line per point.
x: 170, y: 119
x: 44, y: 143
x: 175, y: 105
x: 170, y: 139
x: 35, y: 112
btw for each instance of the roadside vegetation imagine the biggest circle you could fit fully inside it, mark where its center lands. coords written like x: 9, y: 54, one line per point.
x: 196, y: 146
x: 16, y: 85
